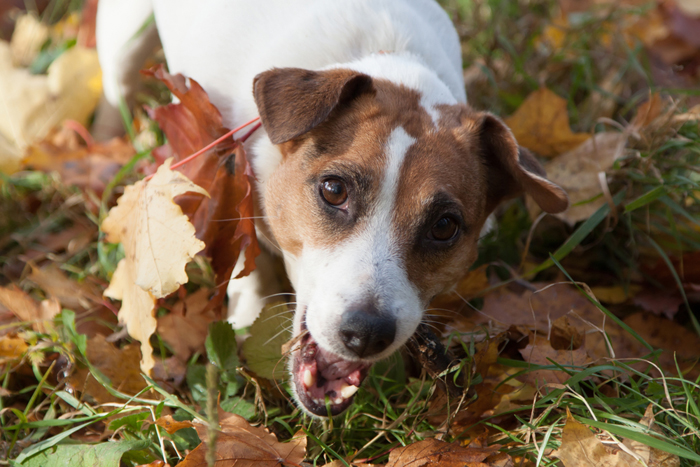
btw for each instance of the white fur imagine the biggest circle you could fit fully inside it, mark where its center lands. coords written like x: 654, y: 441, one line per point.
x: 224, y: 44
x: 365, y: 267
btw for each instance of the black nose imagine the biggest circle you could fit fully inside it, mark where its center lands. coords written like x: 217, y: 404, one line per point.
x: 366, y: 332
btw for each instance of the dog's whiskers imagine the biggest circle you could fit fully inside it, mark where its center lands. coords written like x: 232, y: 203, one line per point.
x: 240, y: 219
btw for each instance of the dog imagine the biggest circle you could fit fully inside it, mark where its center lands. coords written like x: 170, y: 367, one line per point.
x: 374, y: 176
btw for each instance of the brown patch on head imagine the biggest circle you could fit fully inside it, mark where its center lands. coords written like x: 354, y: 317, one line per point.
x: 461, y: 172
x: 335, y: 125
x: 348, y: 145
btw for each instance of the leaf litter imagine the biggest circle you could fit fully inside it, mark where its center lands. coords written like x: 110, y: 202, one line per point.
x: 512, y: 341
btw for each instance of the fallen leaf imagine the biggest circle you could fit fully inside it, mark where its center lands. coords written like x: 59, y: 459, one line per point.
x: 171, y: 425
x: 432, y: 451
x: 57, y: 284
x: 541, y: 124
x: 185, y: 327
x: 494, y: 385
x: 651, y: 456
x: 24, y: 307
x: 468, y: 287
x: 29, y: 36
x: 581, y: 448
x: 87, y: 167
x: 540, y: 352
x: 34, y: 104
x: 137, y: 310
x: 158, y: 243
x: 158, y: 239
x: 577, y: 173
x: 659, y: 302
x: 12, y: 347
x: 120, y: 365
x: 224, y: 221
x: 269, y: 332
x: 241, y: 444
x: 648, y: 111
x: 615, y: 294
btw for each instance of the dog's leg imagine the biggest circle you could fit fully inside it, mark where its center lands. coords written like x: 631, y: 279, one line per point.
x: 249, y: 294
x: 126, y: 36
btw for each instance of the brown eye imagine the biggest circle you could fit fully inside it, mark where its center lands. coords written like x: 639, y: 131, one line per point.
x: 334, y: 191
x: 444, y: 229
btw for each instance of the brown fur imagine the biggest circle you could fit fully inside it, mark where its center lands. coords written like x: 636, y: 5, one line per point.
x: 470, y: 161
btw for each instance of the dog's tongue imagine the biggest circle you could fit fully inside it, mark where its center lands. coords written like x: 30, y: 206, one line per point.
x: 332, y: 367
x: 322, y: 377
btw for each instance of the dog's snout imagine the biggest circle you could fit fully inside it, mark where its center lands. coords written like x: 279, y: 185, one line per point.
x: 367, y: 332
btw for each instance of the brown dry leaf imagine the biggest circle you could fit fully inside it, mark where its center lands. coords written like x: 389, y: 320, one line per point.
x: 339, y: 463
x: 659, y: 302
x: 540, y: 352
x: 78, y: 164
x: 648, y: 111
x: 71, y: 294
x: 12, y: 347
x: 34, y: 104
x: 581, y: 448
x: 490, y: 391
x: 541, y: 124
x: 651, y: 456
x: 157, y: 463
x: 241, y: 444
x: 435, y: 452
x: 120, y: 365
x: 225, y: 220
x: 24, y: 307
x: 171, y: 425
x: 185, y: 327
x: 467, y: 288
x: 577, y: 172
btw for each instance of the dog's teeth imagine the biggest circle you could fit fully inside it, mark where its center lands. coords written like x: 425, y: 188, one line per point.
x: 347, y: 391
x: 338, y: 401
x: 308, y: 378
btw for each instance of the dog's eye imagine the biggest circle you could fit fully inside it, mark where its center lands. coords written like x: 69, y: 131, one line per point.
x: 444, y: 229
x: 334, y: 192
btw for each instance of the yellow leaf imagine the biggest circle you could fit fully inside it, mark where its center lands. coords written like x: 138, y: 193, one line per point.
x: 33, y: 104
x: 541, y: 124
x: 581, y: 448
x: 28, y: 37
x: 158, y: 242
x: 577, y: 173
x: 615, y: 294
x: 137, y: 312
x: 12, y: 347
x: 158, y: 238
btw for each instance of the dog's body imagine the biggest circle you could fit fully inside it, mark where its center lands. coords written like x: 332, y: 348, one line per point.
x: 375, y: 177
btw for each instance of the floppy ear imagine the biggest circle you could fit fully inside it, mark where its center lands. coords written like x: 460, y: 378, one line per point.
x: 293, y: 101
x: 513, y: 170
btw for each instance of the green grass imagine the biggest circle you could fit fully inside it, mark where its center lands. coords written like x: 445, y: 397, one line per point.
x: 656, y: 184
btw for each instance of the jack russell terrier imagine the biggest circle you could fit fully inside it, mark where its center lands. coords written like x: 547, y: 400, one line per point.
x: 374, y: 176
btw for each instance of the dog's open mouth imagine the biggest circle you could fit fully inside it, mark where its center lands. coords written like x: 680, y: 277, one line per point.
x: 325, y: 383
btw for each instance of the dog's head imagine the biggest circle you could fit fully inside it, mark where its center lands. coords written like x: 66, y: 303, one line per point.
x: 377, y: 205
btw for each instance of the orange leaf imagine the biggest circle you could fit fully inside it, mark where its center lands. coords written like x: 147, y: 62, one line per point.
x: 541, y: 124
x: 241, y: 444
x: 171, y: 425
x: 435, y: 452
x: 224, y: 221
